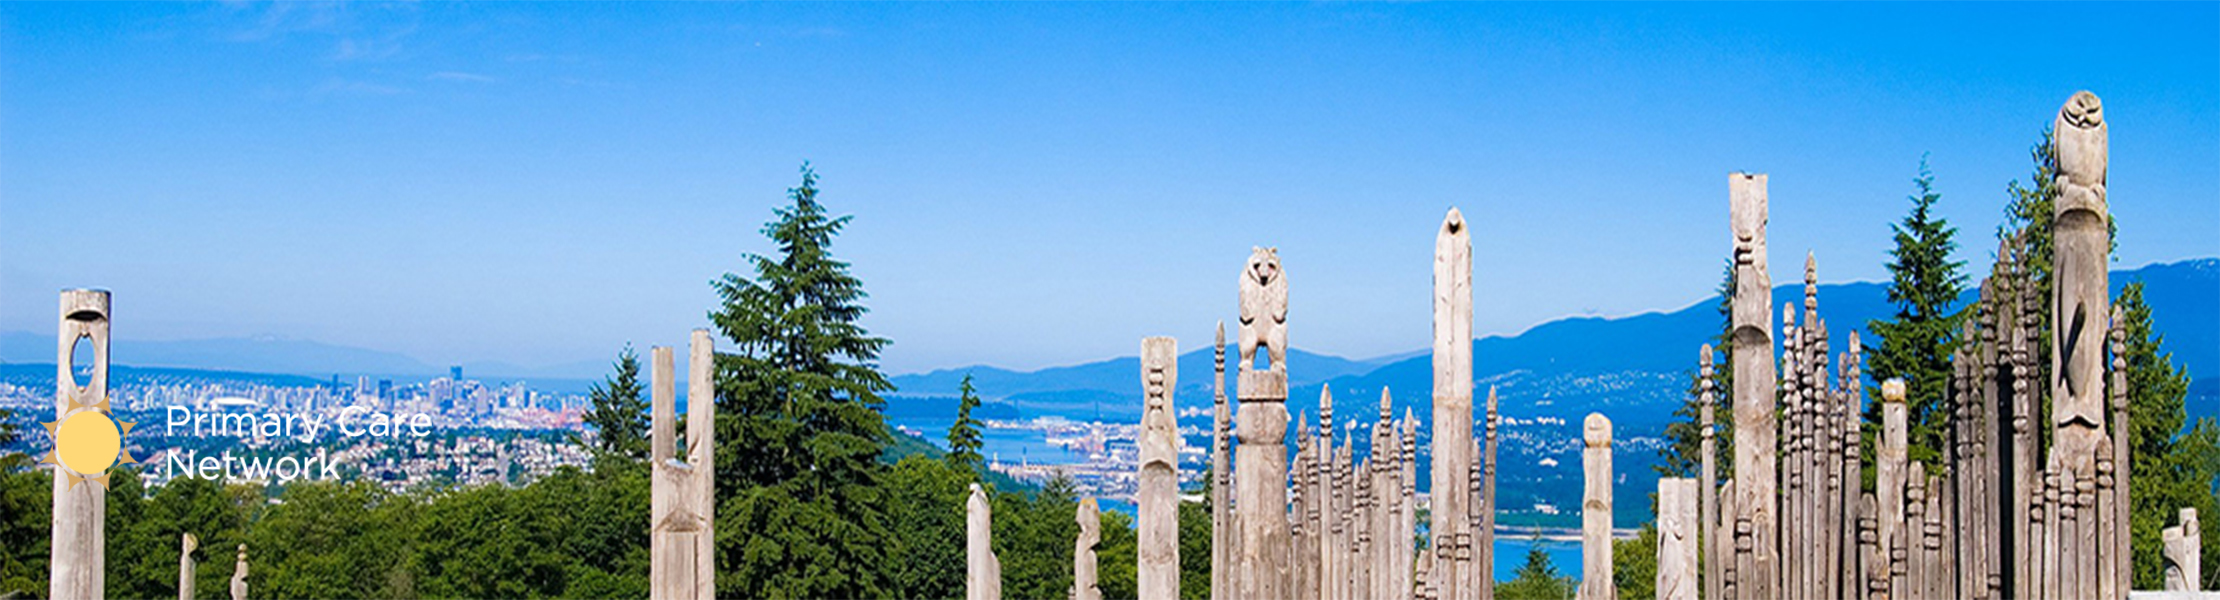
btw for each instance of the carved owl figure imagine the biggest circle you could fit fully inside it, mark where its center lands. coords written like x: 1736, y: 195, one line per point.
x: 2079, y: 138
x: 1264, y: 309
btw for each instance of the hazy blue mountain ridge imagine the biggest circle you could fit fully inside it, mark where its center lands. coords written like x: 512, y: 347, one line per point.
x: 1579, y: 362
x: 1566, y: 366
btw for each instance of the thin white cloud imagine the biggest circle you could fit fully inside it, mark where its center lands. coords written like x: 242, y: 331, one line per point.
x: 459, y: 77
x: 278, y: 19
x: 356, y: 32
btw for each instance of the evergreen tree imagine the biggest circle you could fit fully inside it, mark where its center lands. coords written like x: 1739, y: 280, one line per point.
x: 2172, y: 467
x: 26, y: 505
x: 126, y: 544
x: 797, y: 401
x: 1634, y: 562
x: 2029, y: 207
x: 1033, y: 538
x: 1916, y: 345
x: 619, y: 412
x: 926, y: 512
x: 1682, y: 455
x: 1194, y: 548
x: 1118, y: 559
x: 964, y: 439
x: 1536, y: 580
x: 2026, y: 226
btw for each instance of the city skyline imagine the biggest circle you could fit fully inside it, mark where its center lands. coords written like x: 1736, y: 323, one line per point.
x: 411, y: 179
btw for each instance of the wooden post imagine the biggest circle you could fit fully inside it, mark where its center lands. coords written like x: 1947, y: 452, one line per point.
x: 2122, y: 436
x: 1222, y: 538
x: 79, y: 534
x: 1595, y: 512
x: 1452, y: 398
x: 982, y: 570
x: 1708, y: 511
x: 1407, y: 532
x: 1913, y: 585
x: 1487, y: 507
x: 1890, y: 480
x: 1260, y: 464
x: 1677, y: 524
x: 1850, y: 471
x: 185, y: 566
x: 2182, y: 548
x: 1302, y: 530
x: 1328, y: 501
x: 682, y: 519
x: 1089, y: 518
x: 1756, y: 432
x: 239, y: 575
x: 1158, y: 494
x: 1791, y: 449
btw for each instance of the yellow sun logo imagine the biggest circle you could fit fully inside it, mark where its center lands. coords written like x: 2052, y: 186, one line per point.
x: 87, y: 440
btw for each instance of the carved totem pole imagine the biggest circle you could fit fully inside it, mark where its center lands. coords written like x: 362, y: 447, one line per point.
x: 2080, y: 316
x: 239, y: 576
x: 1222, y: 535
x: 1595, y: 512
x: 185, y: 566
x: 1452, y: 439
x: 1083, y: 551
x: 1890, y: 478
x: 2183, y: 547
x: 1158, y: 552
x: 982, y: 571
x: 1755, y: 425
x: 683, y: 512
x: 1707, y: 518
x: 1676, y: 538
x: 1261, y: 462
x: 79, y: 535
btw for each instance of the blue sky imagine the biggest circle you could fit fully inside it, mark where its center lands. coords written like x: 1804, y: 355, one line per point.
x: 1032, y: 184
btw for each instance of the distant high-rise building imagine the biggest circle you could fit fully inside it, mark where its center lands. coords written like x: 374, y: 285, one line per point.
x: 443, y: 393
x: 455, y: 373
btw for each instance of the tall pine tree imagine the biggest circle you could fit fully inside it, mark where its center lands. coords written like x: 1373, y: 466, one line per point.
x: 1916, y: 344
x: 964, y: 439
x: 2172, y: 467
x: 619, y: 413
x: 797, y: 400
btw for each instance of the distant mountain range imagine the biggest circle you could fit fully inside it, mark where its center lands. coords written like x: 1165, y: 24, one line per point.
x: 1636, y: 365
x: 1559, y: 367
